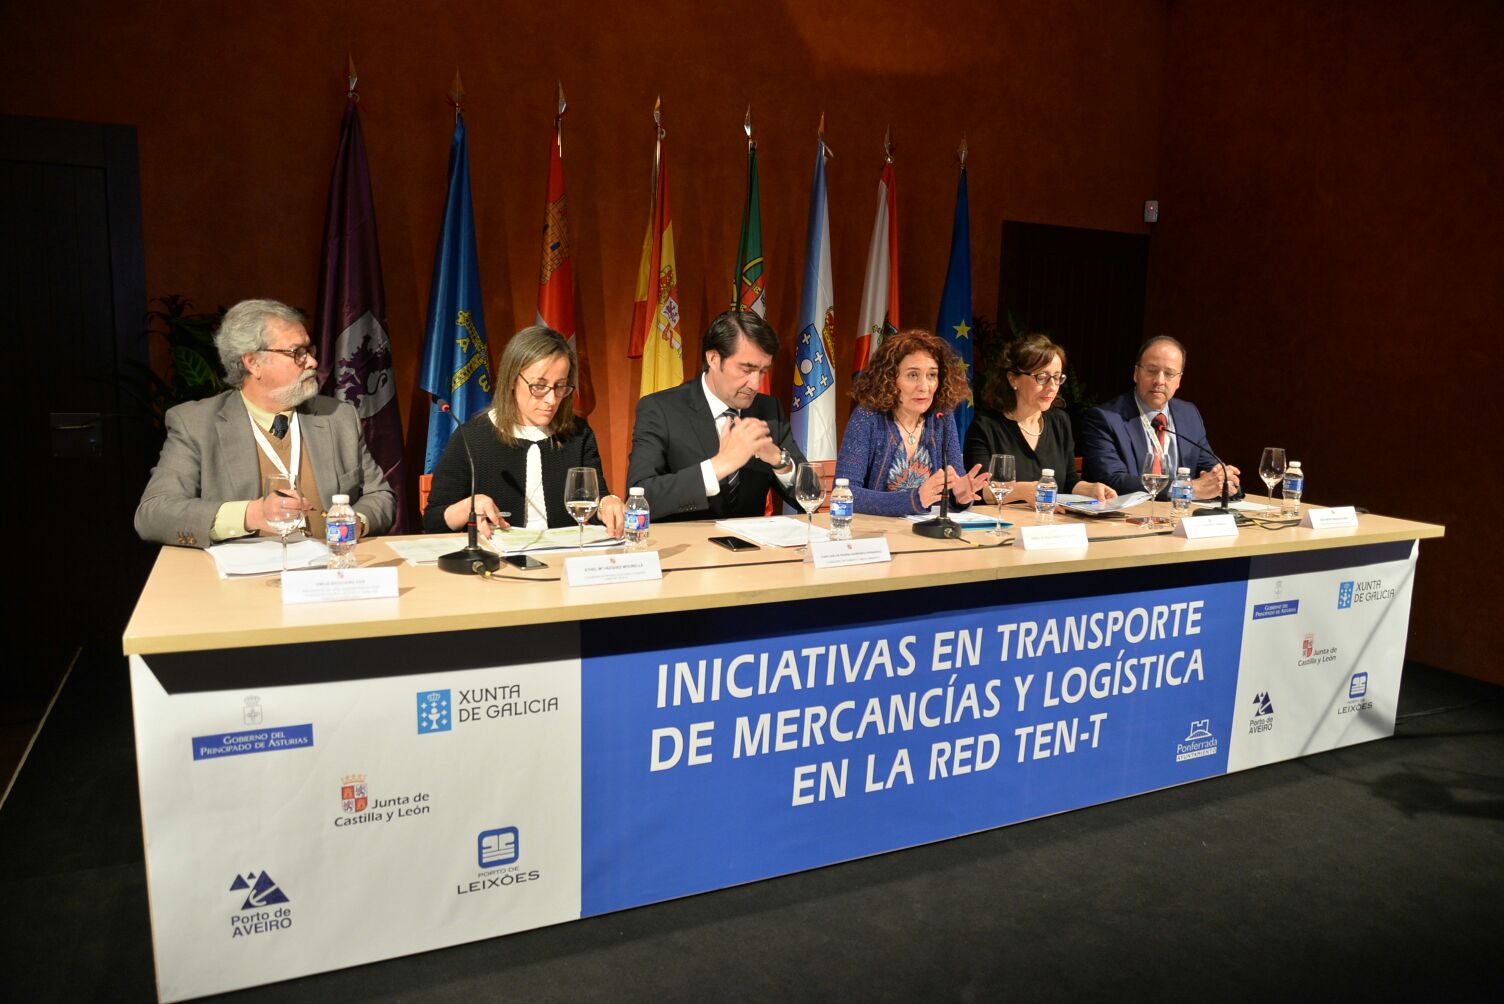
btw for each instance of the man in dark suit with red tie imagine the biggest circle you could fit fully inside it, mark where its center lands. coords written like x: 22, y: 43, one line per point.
x: 1115, y: 437
x: 711, y: 448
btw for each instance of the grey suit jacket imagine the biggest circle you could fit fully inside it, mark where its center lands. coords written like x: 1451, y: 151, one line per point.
x: 210, y: 458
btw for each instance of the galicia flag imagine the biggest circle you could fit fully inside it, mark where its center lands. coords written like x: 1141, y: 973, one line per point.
x: 814, y: 418
x: 456, y: 359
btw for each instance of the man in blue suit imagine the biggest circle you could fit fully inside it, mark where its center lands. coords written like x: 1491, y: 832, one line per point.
x: 1116, y: 436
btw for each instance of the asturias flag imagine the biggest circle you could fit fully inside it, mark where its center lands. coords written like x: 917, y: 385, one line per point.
x: 655, y: 319
x: 456, y: 359
x: 955, y: 303
x: 354, y: 352
x: 556, y: 277
x: 814, y: 418
x: 879, y: 315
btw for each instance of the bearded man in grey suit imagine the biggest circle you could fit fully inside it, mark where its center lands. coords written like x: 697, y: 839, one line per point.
x: 208, y: 485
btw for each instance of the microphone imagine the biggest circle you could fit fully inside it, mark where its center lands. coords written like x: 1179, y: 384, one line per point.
x: 1222, y: 506
x: 942, y: 526
x: 471, y: 559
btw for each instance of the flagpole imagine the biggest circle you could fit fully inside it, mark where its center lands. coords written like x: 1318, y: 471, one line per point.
x: 559, y: 121
x: 457, y: 93
x: 351, y: 78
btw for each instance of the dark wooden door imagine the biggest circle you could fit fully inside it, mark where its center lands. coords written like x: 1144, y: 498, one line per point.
x: 1084, y: 288
x: 73, y: 300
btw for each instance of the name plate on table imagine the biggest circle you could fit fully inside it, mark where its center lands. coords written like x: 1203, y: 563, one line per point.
x: 1051, y: 537
x: 325, y: 585
x: 839, y: 553
x: 608, y: 569
x: 1220, y: 525
x: 1338, y: 516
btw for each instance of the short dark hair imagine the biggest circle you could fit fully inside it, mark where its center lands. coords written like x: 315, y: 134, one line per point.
x: 723, y: 332
x: 1158, y: 340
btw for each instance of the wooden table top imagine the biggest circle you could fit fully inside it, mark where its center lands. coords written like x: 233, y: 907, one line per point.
x: 186, y: 607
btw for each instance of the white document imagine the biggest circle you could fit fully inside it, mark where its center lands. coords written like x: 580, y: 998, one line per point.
x: 967, y: 519
x: 515, y: 540
x: 774, y: 531
x: 425, y: 551
x: 263, y: 556
x: 1089, y: 506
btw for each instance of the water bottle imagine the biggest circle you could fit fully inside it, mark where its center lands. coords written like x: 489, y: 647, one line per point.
x: 339, y: 533
x: 1294, y: 486
x: 1044, y: 496
x: 637, y: 519
x: 1180, y: 493
x: 840, y: 510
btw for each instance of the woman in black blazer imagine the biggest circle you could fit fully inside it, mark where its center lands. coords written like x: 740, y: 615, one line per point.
x: 523, y: 445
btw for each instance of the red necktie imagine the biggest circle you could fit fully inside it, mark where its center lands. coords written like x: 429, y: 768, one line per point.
x: 1159, y: 424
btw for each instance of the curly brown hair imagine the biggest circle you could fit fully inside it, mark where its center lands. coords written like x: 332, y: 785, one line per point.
x: 876, y: 388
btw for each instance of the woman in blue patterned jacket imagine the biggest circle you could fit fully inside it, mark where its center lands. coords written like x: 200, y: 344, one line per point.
x: 902, y: 436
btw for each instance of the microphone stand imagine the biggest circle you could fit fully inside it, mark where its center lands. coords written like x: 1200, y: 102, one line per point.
x: 1221, y: 507
x: 471, y: 559
x: 941, y: 527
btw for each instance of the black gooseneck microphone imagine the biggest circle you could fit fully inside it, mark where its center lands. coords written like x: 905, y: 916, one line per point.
x: 941, y: 526
x: 471, y: 559
x: 1222, y: 506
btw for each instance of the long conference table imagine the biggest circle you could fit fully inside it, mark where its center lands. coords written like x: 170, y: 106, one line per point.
x: 331, y: 784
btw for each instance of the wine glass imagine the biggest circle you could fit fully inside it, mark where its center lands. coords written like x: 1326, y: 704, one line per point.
x: 279, y: 507
x: 1154, y: 474
x: 1272, y: 468
x: 809, y: 489
x: 1003, y: 474
x: 582, y: 493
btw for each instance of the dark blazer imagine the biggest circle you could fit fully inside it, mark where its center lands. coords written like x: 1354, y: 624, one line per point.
x: 675, y: 432
x: 501, y: 472
x: 210, y: 458
x: 991, y: 432
x: 1113, y: 443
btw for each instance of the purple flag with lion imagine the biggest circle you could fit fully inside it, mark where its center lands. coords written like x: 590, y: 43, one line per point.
x: 355, y: 355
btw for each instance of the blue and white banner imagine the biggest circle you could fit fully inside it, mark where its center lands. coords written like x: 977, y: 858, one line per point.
x: 529, y: 776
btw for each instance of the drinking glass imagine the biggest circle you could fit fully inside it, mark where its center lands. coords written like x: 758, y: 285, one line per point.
x: 809, y: 489
x: 279, y: 509
x: 582, y: 493
x: 1003, y: 470
x: 1154, y: 474
x: 1272, y: 469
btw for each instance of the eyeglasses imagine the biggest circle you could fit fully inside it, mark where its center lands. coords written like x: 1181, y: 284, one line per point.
x: 298, y: 355
x: 1154, y: 373
x: 1045, y: 379
x: 542, y: 387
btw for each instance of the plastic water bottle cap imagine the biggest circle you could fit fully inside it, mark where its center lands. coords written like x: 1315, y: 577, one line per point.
x: 634, y: 491
x: 1048, y: 472
x: 843, y: 482
x: 341, y: 500
x: 1295, y: 464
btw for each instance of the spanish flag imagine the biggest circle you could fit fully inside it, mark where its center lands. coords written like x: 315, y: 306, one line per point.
x: 655, y: 315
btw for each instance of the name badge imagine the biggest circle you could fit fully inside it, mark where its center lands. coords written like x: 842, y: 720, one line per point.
x: 1051, y: 537
x: 1336, y: 517
x: 326, y: 585
x: 839, y: 553
x: 608, y: 569
x: 1220, y: 525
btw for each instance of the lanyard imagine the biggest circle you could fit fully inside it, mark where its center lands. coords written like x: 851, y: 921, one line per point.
x: 271, y: 454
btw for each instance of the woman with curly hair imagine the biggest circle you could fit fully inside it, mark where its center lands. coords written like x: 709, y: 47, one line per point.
x: 1018, y: 419
x: 902, y: 437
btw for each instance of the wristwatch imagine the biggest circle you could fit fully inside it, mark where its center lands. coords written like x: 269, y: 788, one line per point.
x: 784, y: 460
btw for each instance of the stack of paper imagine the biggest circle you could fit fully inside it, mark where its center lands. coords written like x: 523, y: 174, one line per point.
x: 774, y: 531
